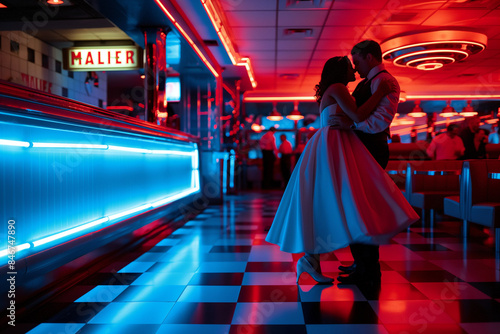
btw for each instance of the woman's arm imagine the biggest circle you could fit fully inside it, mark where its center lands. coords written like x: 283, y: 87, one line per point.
x: 340, y: 93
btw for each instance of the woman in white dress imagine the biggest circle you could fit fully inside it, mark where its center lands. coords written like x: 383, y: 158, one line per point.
x: 338, y: 194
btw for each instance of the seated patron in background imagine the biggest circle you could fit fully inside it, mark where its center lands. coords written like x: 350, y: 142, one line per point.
x: 494, y: 137
x: 480, y: 141
x: 395, y: 139
x: 468, y: 134
x: 447, y: 146
x: 269, y: 152
x: 286, y: 151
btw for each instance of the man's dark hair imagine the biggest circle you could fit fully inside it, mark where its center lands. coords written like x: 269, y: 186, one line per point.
x: 368, y: 47
x: 452, y: 127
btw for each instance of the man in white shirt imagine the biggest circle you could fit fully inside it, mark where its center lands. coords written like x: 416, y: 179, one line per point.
x: 286, y: 151
x: 447, y: 146
x: 269, y: 152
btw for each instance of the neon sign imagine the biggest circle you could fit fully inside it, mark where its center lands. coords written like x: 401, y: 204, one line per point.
x: 114, y: 58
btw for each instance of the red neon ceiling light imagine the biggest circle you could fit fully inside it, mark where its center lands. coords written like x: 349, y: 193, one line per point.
x: 222, y: 29
x: 188, y: 39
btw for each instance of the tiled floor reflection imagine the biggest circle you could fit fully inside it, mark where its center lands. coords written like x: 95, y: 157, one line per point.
x: 216, y: 274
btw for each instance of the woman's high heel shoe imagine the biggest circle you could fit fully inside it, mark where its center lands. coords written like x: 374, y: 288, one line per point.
x: 304, y: 266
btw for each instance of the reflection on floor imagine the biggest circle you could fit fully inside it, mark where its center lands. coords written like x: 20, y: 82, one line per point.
x: 218, y: 275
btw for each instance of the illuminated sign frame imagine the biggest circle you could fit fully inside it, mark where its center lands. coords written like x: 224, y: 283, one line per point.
x: 103, y: 58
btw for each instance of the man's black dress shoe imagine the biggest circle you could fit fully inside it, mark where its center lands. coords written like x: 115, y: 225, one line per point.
x: 360, y: 278
x: 348, y: 269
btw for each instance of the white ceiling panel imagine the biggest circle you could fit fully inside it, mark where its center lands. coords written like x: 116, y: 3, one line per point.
x: 492, y: 18
x: 296, y: 64
x: 252, y: 18
x: 335, y: 45
x: 264, y: 55
x: 310, y: 18
x: 307, y: 44
x: 287, y: 5
x: 230, y: 5
x: 455, y: 17
x: 358, y: 4
x: 341, y: 32
x: 284, y: 33
x: 253, y: 45
x: 412, y: 17
x: 351, y: 17
x: 254, y: 33
x: 384, y: 31
x: 295, y: 55
x: 259, y: 64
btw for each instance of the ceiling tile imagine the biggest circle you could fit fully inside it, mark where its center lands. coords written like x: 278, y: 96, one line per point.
x: 458, y: 17
x: 317, y: 63
x: 252, y: 18
x: 294, y: 54
x: 299, y: 65
x: 382, y: 32
x: 307, y: 44
x: 493, y: 44
x: 325, y: 55
x: 411, y: 17
x: 309, y: 18
x: 336, y: 45
x: 257, y: 63
x: 255, y: 45
x: 351, y: 17
x: 263, y: 55
x: 492, y: 18
x: 230, y: 5
x: 340, y: 32
x: 285, y: 34
x: 254, y: 33
x: 359, y: 4
x: 301, y: 6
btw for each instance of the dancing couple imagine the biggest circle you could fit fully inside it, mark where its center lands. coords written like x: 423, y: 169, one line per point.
x: 339, y: 194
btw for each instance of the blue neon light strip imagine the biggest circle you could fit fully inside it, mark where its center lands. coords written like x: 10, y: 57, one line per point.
x: 5, y: 142
x: 19, y: 248
x: 63, y: 145
x: 194, y: 185
x: 69, y: 232
x: 100, y: 221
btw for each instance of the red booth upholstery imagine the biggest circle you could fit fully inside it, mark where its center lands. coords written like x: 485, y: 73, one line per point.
x: 396, y: 169
x: 484, y: 195
x: 457, y: 205
x: 429, y: 182
x: 493, y: 151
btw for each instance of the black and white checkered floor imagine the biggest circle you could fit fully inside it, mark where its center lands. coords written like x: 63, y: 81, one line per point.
x: 216, y: 274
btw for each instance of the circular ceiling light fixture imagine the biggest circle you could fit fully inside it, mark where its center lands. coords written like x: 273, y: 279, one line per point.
x: 431, y: 50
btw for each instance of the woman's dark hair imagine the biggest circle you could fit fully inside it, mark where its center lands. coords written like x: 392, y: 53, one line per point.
x: 334, y: 71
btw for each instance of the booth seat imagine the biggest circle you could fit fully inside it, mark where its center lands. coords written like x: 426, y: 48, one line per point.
x: 429, y: 182
x: 396, y: 169
x: 483, y: 194
x: 493, y: 151
x: 457, y: 205
x: 408, y: 151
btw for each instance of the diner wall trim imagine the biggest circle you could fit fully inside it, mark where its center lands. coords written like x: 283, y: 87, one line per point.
x: 75, y: 167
